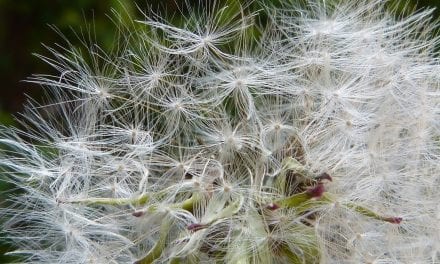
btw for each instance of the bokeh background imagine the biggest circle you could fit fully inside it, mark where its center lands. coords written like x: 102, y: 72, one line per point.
x: 26, y: 24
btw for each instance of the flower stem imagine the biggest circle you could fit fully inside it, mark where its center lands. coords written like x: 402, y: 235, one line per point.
x: 156, y: 251
x: 142, y: 199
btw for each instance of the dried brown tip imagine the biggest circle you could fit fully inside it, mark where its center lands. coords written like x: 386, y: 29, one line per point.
x: 272, y: 206
x: 317, y: 191
x: 324, y: 176
x: 196, y: 227
x: 393, y: 220
x: 138, y: 213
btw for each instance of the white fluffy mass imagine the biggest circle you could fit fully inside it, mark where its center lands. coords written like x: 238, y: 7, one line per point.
x: 291, y: 134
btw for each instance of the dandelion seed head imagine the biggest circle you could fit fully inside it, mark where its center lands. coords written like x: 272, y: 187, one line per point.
x: 311, y: 137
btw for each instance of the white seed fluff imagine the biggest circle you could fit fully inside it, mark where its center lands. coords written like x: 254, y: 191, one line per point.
x: 211, y: 141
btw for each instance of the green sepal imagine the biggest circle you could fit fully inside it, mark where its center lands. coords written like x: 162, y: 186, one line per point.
x: 158, y: 248
x: 140, y: 200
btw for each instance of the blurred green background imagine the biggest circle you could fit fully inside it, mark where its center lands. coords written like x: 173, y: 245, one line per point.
x: 24, y: 26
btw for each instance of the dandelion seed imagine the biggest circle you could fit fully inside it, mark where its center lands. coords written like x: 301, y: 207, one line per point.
x: 309, y: 136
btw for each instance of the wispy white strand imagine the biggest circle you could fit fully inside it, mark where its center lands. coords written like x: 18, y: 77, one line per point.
x: 195, y: 142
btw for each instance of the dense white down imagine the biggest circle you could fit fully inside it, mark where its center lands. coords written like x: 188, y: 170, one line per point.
x: 208, y: 109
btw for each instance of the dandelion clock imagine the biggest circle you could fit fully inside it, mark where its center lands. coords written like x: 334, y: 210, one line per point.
x: 244, y: 133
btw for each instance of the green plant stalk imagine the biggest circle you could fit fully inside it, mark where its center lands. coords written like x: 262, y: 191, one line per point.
x: 156, y: 251
x: 141, y: 200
